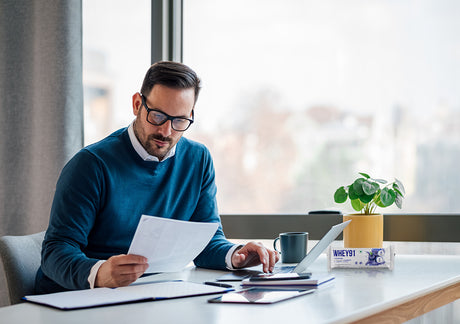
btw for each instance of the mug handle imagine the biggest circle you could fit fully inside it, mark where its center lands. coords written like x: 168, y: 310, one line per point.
x: 274, y: 245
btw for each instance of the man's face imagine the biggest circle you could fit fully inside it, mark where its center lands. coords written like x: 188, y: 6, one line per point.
x: 158, y: 140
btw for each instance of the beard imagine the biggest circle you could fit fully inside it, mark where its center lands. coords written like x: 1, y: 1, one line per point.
x: 154, y: 149
x: 149, y: 144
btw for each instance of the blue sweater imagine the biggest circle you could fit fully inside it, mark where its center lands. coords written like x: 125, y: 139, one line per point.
x: 102, y: 193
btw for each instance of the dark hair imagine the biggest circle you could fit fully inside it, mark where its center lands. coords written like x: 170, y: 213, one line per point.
x: 171, y: 74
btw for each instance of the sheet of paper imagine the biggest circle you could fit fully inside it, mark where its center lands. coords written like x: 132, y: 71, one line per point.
x: 169, y: 244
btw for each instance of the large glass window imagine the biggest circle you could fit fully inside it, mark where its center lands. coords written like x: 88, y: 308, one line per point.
x: 116, y: 55
x: 299, y: 96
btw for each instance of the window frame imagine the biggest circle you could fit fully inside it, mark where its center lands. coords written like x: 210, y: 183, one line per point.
x: 167, y: 30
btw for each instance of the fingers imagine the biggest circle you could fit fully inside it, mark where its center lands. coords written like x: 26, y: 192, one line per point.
x: 128, y: 259
x: 268, y: 263
x: 244, y: 257
x: 264, y: 257
x: 121, y: 270
x: 253, y: 254
x: 274, y: 257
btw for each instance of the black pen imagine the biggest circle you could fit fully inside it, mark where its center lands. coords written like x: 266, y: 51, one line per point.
x: 218, y: 284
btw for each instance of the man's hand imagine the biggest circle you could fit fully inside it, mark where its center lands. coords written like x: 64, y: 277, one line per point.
x: 121, y: 270
x: 253, y: 254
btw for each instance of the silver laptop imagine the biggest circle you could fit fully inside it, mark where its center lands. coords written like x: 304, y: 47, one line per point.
x: 302, y: 266
x: 320, y: 247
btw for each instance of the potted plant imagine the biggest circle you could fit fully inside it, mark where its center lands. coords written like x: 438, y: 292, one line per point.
x: 366, y: 194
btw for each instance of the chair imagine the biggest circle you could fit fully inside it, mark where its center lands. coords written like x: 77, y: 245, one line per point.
x: 21, y: 256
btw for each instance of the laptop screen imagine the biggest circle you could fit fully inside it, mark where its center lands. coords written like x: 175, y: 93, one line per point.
x: 321, y: 246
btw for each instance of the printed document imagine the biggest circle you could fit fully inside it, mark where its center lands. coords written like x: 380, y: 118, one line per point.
x: 169, y: 244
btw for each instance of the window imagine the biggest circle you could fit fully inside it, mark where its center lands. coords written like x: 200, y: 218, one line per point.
x: 116, y: 55
x: 300, y: 96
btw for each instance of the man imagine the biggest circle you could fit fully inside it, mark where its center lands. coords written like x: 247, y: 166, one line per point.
x: 147, y: 168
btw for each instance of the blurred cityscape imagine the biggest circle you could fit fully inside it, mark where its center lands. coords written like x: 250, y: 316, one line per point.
x: 293, y: 161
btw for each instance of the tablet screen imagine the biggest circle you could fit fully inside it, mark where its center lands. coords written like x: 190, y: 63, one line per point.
x: 260, y: 296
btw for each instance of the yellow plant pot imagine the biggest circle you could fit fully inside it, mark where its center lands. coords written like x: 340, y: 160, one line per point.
x: 364, y: 231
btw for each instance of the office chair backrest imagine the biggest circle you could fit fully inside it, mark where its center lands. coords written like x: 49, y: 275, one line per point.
x: 21, y: 256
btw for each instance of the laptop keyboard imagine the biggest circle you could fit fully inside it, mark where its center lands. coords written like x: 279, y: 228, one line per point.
x: 283, y: 269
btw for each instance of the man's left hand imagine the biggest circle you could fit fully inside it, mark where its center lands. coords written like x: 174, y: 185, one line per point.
x: 254, y: 253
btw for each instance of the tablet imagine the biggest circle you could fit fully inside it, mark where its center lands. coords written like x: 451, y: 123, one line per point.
x: 260, y: 296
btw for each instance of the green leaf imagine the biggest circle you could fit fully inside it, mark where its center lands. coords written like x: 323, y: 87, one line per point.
x: 400, y: 186
x: 387, y: 196
x: 352, y: 193
x: 397, y: 191
x: 370, y: 188
x: 365, y: 175
x: 340, y: 195
x: 358, y: 186
x: 399, y: 201
x: 366, y: 198
x: 357, y: 204
x: 379, y: 203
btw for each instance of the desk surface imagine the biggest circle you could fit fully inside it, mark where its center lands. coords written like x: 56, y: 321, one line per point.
x: 418, y: 283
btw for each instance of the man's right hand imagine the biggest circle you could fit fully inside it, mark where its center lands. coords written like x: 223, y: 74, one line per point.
x: 121, y: 270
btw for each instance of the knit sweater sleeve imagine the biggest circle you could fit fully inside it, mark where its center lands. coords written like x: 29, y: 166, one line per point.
x: 78, y: 194
x: 213, y: 256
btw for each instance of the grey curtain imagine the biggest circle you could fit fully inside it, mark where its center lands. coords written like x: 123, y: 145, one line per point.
x: 41, y: 106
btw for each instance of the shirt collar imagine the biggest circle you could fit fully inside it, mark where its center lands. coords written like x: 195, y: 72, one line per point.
x: 141, y: 150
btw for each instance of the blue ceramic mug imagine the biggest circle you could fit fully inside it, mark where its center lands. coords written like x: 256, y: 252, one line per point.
x: 293, y: 246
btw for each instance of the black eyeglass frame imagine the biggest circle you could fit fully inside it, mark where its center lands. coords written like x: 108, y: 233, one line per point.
x: 168, y: 117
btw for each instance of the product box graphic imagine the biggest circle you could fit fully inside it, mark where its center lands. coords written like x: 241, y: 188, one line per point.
x: 339, y: 257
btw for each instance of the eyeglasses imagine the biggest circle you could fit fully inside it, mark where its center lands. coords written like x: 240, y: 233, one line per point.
x: 157, y: 118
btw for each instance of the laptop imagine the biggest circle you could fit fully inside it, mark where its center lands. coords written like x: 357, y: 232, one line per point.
x: 302, y: 266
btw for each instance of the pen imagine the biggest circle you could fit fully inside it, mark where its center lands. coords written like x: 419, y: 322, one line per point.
x: 218, y: 284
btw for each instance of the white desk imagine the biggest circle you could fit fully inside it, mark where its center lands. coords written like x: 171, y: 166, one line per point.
x: 418, y: 284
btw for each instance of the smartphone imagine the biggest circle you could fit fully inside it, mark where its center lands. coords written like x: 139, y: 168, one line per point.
x: 280, y: 276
